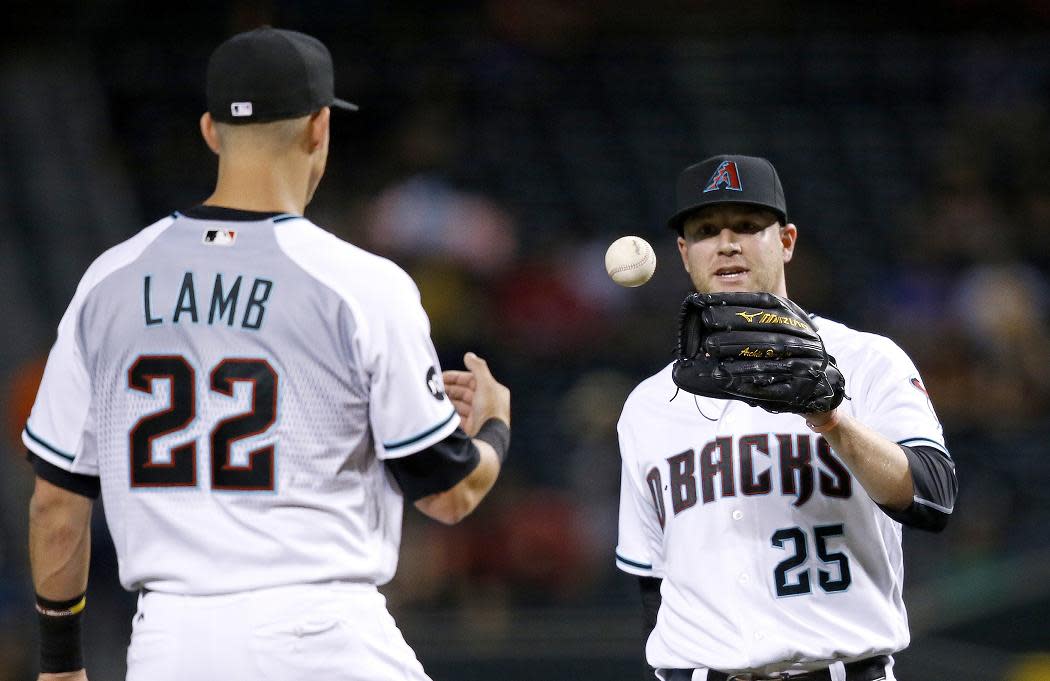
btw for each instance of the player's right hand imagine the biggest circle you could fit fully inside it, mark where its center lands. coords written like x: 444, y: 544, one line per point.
x: 476, y: 394
x: 79, y: 675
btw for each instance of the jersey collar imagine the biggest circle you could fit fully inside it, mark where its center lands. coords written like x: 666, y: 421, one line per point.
x: 225, y: 214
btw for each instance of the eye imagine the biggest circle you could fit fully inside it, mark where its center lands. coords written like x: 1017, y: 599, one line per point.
x: 705, y: 231
x: 748, y: 227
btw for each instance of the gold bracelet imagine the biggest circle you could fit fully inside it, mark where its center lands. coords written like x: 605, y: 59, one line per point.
x: 75, y: 609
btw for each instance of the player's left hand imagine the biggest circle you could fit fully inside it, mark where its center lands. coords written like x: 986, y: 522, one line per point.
x: 758, y: 348
x: 460, y: 386
x: 476, y: 394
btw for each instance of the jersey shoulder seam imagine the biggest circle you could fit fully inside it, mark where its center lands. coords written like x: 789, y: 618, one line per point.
x: 113, y: 252
x: 318, y: 235
x: 350, y: 249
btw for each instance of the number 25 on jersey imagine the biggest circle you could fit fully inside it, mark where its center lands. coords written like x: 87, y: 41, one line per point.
x: 181, y: 468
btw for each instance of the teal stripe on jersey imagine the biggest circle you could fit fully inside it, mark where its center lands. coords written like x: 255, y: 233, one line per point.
x: 416, y: 438
x: 643, y: 566
x: 47, y: 446
x: 925, y: 441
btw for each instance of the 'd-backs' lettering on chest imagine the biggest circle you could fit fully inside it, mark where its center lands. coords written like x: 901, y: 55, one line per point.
x: 750, y: 465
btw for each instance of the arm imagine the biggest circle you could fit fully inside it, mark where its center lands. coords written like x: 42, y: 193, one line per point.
x: 879, y: 465
x: 59, y: 554
x: 483, y: 405
x: 59, y: 541
x: 894, y: 444
x: 455, y: 504
x: 916, y: 485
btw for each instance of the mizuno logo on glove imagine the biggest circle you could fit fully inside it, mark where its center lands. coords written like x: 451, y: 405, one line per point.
x: 768, y: 318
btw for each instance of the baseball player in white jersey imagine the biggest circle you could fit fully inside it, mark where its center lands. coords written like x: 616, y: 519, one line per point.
x: 254, y: 399
x: 769, y: 545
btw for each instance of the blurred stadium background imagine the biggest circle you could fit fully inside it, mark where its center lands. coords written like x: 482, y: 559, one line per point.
x: 501, y: 145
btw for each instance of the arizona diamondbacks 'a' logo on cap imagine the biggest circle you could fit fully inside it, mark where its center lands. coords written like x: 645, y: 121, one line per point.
x: 719, y: 180
x: 725, y: 176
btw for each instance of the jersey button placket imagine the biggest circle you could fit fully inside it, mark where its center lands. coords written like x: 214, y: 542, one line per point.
x: 742, y: 578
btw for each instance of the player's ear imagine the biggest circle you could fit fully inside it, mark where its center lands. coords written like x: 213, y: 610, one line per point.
x: 317, y: 128
x: 210, y: 133
x: 788, y: 238
x: 683, y: 250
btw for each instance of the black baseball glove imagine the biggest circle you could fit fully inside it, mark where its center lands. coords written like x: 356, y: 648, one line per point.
x: 758, y: 348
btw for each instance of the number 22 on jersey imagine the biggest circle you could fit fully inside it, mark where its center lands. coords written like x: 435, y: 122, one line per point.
x: 181, y: 468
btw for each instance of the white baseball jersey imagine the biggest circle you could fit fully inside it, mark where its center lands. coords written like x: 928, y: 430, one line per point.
x: 235, y: 384
x: 769, y: 550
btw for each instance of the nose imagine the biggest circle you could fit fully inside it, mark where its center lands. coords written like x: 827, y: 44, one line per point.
x: 727, y: 243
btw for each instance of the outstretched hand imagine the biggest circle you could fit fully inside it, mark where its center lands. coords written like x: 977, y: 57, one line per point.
x: 476, y: 394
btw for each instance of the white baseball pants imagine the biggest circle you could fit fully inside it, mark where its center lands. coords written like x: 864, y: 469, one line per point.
x: 335, y: 632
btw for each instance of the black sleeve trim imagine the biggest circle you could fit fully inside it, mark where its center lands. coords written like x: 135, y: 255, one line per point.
x: 84, y: 485
x: 438, y: 468
x: 651, y: 600
x: 936, y: 488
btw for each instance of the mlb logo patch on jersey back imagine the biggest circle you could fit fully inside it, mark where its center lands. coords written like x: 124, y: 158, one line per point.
x: 219, y: 237
x: 726, y: 177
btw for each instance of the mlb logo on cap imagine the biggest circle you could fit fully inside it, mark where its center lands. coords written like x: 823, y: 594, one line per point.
x: 241, y: 109
x: 725, y: 177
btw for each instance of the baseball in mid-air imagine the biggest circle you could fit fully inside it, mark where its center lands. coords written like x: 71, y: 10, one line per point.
x: 630, y: 261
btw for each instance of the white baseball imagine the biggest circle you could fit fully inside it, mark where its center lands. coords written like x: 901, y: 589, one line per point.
x: 630, y: 261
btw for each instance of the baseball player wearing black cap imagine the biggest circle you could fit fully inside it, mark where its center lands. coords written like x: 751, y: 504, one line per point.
x: 254, y: 399
x: 768, y: 545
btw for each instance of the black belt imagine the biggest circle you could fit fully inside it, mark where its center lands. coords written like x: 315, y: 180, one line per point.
x: 868, y: 669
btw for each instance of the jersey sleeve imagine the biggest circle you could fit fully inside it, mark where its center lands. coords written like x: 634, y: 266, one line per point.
x: 410, y: 410
x: 60, y: 430
x: 897, y: 405
x: 437, y: 468
x: 640, y: 541
x: 895, y: 402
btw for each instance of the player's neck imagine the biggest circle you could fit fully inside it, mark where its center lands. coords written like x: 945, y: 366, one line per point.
x: 260, y: 185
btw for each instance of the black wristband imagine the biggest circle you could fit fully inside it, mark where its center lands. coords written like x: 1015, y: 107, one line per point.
x: 496, y: 433
x: 60, y: 647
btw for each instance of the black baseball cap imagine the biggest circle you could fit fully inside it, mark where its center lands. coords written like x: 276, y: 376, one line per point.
x: 270, y: 74
x: 726, y: 178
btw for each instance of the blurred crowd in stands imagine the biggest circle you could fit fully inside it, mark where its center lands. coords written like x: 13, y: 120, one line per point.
x: 501, y: 146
